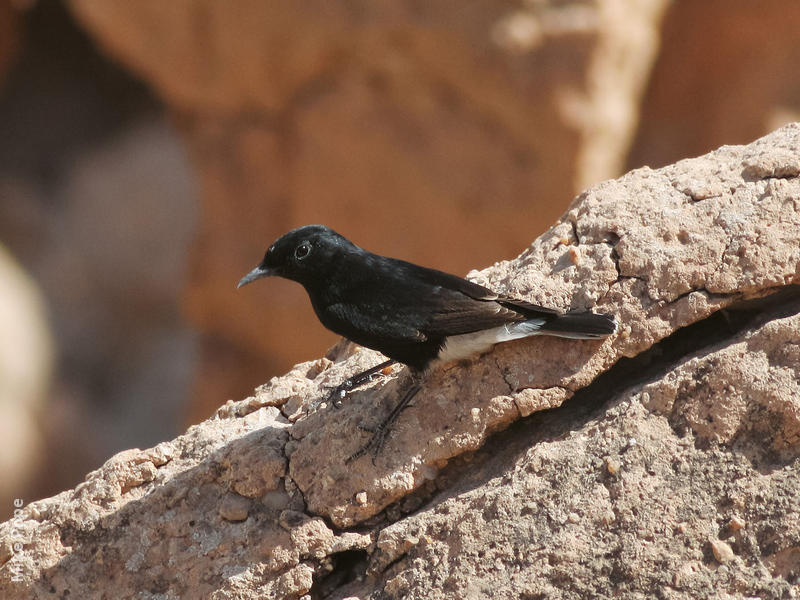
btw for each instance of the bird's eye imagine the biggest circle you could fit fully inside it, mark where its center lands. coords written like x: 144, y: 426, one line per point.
x: 302, y: 251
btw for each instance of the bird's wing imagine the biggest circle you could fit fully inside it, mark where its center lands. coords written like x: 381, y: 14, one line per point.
x: 404, y: 302
x: 531, y: 310
x: 456, y: 305
x: 359, y: 321
x: 461, y: 314
x: 440, y: 279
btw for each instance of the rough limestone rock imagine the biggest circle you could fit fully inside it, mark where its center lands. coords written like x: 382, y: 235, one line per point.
x: 667, y: 465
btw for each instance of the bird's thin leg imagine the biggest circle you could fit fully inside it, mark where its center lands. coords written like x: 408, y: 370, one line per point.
x: 336, y: 395
x: 376, y: 442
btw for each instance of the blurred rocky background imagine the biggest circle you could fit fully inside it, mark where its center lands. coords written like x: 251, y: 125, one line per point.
x: 150, y: 151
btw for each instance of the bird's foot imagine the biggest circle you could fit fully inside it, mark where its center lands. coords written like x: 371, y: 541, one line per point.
x: 374, y: 445
x: 380, y: 433
x: 338, y: 393
x: 335, y: 394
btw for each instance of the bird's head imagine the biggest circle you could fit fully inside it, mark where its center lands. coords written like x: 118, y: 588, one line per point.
x: 304, y: 255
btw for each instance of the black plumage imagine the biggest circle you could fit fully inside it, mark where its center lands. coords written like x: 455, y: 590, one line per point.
x: 412, y: 314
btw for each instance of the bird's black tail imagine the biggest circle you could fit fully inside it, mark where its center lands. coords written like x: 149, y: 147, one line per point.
x: 580, y: 325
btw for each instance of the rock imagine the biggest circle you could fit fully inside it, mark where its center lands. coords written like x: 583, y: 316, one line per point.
x: 643, y: 456
x: 234, y: 508
x: 723, y: 553
x: 736, y: 523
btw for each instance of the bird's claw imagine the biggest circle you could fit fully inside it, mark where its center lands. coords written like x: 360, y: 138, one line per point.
x: 334, y: 396
x: 373, y: 446
x: 337, y: 394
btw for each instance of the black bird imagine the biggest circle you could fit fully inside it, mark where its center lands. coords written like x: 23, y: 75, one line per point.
x: 414, y: 315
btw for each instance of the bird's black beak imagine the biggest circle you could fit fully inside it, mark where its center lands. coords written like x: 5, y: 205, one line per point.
x: 256, y: 273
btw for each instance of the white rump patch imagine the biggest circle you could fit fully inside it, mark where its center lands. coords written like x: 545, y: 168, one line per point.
x: 458, y: 347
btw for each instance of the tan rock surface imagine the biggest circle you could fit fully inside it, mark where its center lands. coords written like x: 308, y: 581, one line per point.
x: 672, y: 431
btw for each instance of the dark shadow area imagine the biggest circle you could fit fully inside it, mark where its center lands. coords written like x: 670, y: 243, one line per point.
x: 345, y: 568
